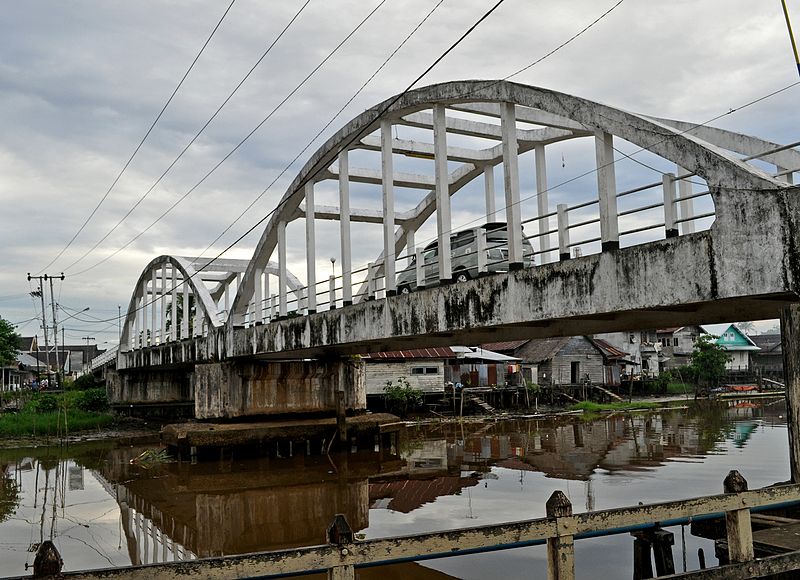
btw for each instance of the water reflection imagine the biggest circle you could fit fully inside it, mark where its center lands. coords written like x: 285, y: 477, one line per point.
x: 101, y: 510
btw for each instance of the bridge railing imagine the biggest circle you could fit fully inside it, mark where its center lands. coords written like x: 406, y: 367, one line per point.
x: 558, y: 531
x: 652, y: 211
x: 104, y: 358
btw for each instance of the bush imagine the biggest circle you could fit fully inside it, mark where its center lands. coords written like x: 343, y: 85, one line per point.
x: 43, y: 403
x: 83, y: 383
x: 92, y: 400
x: 401, y: 397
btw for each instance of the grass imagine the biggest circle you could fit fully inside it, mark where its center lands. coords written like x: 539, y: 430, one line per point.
x: 592, y: 407
x: 679, y: 388
x: 51, y: 423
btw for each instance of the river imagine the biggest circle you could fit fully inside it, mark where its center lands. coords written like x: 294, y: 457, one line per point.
x: 103, y: 511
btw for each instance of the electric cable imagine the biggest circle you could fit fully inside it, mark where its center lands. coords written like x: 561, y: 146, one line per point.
x: 139, y: 146
x: 191, y: 142
x: 232, y: 151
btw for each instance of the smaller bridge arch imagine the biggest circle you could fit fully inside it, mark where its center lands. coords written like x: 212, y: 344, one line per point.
x: 156, y: 311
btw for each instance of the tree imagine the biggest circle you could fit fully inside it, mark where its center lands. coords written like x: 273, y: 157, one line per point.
x: 708, y: 361
x: 180, y: 313
x: 9, y: 343
x: 746, y: 327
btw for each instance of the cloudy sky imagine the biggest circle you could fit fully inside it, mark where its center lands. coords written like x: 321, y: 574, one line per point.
x: 81, y: 82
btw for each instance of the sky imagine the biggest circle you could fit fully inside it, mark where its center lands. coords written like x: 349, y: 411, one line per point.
x: 81, y: 83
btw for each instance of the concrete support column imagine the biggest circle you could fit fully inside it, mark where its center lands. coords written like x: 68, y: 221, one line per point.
x: 488, y: 185
x: 197, y: 326
x: 670, y: 211
x: 607, y: 191
x: 790, y: 338
x: 258, y: 297
x: 443, y: 222
x: 387, y: 179
x: 136, y: 328
x: 542, y: 201
x: 344, y: 228
x: 686, y: 205
x: 411, y: 243
x: 311, y: 249
x: 508, y: 128
x: 153, y: 299
x: 282, y: 269
x: 173, y: 322
x: 267, y: 314
x: 187, y: 311
x: 162, y: 338
x: 227, y: 298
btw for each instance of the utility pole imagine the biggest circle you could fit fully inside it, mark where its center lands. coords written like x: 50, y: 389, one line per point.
x: 40, y: 294
x: 44, y: 323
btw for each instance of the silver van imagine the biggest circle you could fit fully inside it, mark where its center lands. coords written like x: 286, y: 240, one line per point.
x: 464, y: 257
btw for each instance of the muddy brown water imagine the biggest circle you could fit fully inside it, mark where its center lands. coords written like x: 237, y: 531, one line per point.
x: 101, y: 511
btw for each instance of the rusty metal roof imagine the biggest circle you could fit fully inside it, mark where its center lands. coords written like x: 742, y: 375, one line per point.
x: 437, y: 352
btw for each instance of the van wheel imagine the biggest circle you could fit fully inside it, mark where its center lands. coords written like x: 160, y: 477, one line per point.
x: 404, y: 290
x: 461, y: 276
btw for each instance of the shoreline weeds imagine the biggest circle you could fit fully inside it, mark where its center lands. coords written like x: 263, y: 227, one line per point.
x: 127, y: 428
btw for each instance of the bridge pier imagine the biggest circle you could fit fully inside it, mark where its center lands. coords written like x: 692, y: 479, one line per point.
x: 790, y: 337
x: 242, y: 388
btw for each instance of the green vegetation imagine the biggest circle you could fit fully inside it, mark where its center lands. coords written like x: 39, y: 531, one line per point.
x: 9, y: 343
x: 708, y: 362
x: 54, y: 414
x: 401, y: 397
x: 592, y: 407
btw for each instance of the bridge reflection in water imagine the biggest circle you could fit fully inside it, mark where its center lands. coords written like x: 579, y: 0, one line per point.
x: 180, y: 511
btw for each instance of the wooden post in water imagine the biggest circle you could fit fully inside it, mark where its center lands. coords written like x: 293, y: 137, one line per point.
x: 790, y: 338
x: 341, y: 535
x: 561, y: 549
x: 737, y: 522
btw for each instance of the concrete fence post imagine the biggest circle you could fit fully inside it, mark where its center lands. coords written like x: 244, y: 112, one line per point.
x: 341, y: 535
x: 420, y: 269
x: 670, y: 211
x: 560, y: 549
x: 371, y: 267
x: 480, y: 247
x: 737, y: 522
x: 332, y: 292
x: 563, y: 232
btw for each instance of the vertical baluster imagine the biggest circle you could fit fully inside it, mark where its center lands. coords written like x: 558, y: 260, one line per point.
x: 282, y: 287
x: 607, y: 191
x: 443, y: 218
x: 508, y: 128
x: 311, y: 250
x: 542, y: 202
x: 668, y: 186
x: 488, y: 186
x: 387, y: 179
x: 563, y: 232
x: 344, y: 228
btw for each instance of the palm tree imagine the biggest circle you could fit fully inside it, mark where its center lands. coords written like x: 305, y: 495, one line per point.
x: 746, y: 327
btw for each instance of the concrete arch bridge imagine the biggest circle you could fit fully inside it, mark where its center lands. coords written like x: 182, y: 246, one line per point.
x: 610, y: 220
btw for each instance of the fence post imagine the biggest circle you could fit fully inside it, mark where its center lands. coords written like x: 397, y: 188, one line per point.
x: 737, y: 522
x: 371, y: 268
x: 563, y: 232
x: 560, y: 549
x: 480, y: 247
x: 341, y: 535
x: 420, y: 269
x: 670, y: 210
x: 332, y: 292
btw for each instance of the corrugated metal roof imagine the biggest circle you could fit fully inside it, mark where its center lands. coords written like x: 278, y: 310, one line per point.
x: 436, y: 352
x: 506, y: 345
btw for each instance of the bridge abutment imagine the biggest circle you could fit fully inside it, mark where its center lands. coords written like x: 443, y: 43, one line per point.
x: 243, y: 388
x: 145, y: 391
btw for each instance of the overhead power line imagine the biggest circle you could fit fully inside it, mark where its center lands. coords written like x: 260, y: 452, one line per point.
x: 238, y: 145
x: 139, y: 146
x: 324, y: 128
x: 193, y: 139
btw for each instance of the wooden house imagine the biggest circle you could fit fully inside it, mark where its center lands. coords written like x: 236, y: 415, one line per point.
x: 677, y: 344
x: 768, y: 360
x: 739, y: 346
x: 557, y: 361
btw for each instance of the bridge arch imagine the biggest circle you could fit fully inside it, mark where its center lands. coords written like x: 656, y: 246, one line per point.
x: 553, y: 117
x: 155, y: 312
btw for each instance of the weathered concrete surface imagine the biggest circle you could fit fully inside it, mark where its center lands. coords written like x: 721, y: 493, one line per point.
x: 244, y: 388
x: 747, y: 266
x: 184, y: 435
x: 149, y: 386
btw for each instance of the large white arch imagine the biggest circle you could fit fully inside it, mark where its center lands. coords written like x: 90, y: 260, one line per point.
x: 563, y: 117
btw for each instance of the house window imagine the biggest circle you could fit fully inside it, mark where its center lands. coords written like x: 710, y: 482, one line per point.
x: 431, y: 370
x: 417, y: 370
x: 675, y: 341
x: 424, y: 370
